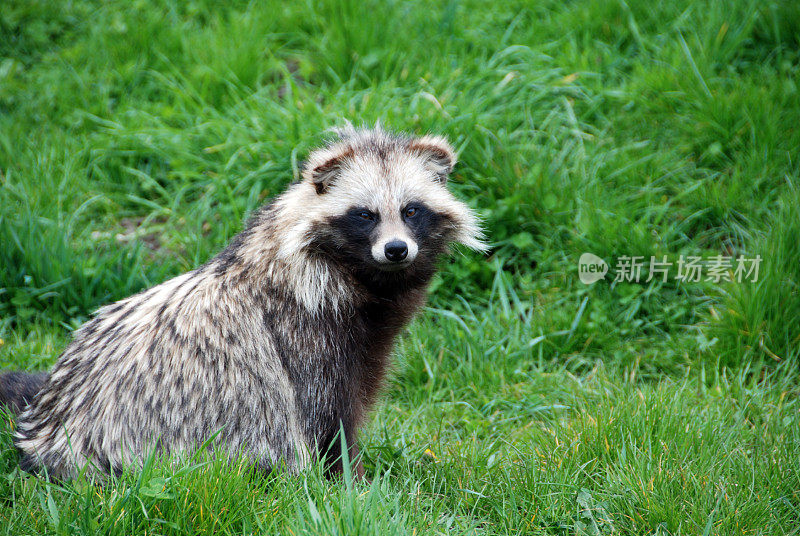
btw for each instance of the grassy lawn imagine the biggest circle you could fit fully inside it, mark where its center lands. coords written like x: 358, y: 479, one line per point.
x: 135, y: 137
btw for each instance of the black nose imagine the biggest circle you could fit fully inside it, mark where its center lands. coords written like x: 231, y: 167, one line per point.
x: 396, y: 250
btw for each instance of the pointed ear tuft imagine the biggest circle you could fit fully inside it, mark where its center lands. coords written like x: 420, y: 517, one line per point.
x: 439, y: 156
x: 324, y: 165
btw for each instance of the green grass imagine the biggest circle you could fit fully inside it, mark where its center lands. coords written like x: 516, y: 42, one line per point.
x: 135, y: 137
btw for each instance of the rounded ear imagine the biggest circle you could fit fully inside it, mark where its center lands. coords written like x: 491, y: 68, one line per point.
x: 440, y: 158
x: 324, y: 165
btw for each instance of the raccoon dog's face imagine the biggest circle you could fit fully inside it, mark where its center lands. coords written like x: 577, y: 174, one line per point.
x: 381, y: 205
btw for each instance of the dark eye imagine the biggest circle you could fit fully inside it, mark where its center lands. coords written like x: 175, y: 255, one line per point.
x: 366, y: 215
x: 410, y: 212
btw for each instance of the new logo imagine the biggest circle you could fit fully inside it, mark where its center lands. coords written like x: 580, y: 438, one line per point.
x: 591, y: 268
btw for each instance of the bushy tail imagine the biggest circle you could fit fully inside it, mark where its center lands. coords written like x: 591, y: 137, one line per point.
x: 17, y: 389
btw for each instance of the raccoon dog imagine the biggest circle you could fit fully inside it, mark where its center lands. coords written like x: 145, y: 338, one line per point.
x: 277, y: 343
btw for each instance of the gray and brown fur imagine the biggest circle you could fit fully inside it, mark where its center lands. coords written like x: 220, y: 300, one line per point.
x: 276, y: 342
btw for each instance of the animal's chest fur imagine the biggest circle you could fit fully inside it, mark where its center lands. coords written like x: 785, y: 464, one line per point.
x: 335, y: 362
